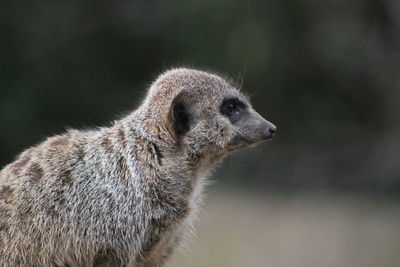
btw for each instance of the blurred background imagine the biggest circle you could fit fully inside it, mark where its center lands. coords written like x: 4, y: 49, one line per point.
x: 324, y: 192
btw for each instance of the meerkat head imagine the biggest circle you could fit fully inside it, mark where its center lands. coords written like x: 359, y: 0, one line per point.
x: 205, y: 114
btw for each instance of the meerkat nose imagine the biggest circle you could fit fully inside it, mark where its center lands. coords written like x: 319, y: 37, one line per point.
x: 272, y: 130
x: 269, y: 131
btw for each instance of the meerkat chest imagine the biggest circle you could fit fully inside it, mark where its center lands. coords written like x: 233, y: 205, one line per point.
x: 193, y: 203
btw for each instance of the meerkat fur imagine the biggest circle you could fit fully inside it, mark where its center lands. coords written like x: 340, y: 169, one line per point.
x: 124, y: 195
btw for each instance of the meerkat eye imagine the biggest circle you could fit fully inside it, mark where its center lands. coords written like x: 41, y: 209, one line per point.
x: 233, y: 108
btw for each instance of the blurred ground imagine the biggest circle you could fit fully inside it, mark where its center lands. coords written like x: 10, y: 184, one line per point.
x: 310, y: 229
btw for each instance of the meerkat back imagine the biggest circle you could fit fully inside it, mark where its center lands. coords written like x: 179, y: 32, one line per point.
x: 126, y: 194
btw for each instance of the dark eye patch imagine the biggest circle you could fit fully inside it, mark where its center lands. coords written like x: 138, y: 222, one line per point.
x: 232, y: 108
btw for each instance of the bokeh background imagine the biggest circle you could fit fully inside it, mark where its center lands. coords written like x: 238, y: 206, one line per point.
x: 324, y: 192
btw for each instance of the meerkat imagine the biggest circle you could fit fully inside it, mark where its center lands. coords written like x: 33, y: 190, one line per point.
x: 126, y: 194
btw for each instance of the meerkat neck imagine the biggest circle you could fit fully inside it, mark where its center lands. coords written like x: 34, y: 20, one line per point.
x: 137, y: 135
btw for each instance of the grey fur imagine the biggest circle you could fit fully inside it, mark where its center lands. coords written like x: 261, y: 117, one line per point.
x: 123, y: 195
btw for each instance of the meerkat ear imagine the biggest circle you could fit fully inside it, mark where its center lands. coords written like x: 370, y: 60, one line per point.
x: 180, y: 116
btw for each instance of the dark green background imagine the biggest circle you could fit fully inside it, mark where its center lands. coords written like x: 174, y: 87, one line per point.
x: 325, y: 72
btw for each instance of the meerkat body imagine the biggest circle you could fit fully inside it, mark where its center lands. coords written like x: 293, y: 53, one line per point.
x: 124, y: 195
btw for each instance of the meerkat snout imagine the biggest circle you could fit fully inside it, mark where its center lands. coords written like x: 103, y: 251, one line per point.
x: 125, y: 195
x: 268, y: 129
x: 252, y: 127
